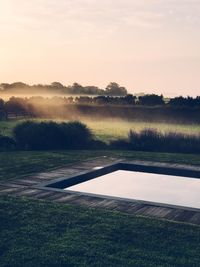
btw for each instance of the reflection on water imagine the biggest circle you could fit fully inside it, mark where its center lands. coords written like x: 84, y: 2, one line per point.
x: 145, y: 186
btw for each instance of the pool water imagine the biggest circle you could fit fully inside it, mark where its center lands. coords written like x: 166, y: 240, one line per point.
x: 166, y: 189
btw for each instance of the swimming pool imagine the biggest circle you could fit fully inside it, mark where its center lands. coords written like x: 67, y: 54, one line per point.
x: 159, y: 188
x: 164, y: 186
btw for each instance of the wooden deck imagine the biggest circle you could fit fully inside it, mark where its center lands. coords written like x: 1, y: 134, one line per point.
x: 26, y: 187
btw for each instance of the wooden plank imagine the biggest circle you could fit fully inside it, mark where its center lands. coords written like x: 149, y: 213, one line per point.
x: 142, y: 209
x: 195, y: 219
x: 159, y: 212
x: 12, y: 184
x: 55, y: 195
x: 47, y: 176
x: 27, y: 192
x: 153, y: 211
x: 185, y: 216
x: 173, y: 214
x: 26, y: 182
x: 10, y: 190
x: 43, y: 194
x: 66, y: 199
x: 128, y: 207
x: 2, y: 187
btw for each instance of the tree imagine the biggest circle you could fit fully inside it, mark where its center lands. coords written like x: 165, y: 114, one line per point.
x: 151, y: 100
x: 4, y: 86
x: 115, y: 90
x: 57, y: 85
x: 93, y: 90
x: 17, y: 106
x: 83, y: 100
x: 3, y: 114
x: 76, y: 88
x: 129, y: 99
x: 183, y: 101
x: 17, y: 85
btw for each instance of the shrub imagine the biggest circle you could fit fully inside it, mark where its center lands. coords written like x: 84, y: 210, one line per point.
x: 120, y: 144
x: 75, y: 135
x: 177, y: 142
x: 6, y: 143
x: 52, y: 135
x: 98, y: 144
x: 147, y: 139
x: 152, y: 140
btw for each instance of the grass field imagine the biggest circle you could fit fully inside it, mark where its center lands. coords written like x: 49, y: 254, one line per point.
x: 107, y: 130
x: 36, y: 233
x: 113, y: 129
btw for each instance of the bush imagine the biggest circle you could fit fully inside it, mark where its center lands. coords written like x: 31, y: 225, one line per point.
x: 120, y: 144
x: 152, y: 140
x: 75, y: 135
x: 52, y: 135
x: 147, y: 139
x: 177, y: 142
x: 6, y: 143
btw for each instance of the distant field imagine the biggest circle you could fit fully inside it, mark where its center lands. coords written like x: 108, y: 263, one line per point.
x: 111, y: 129
x: 7, y: 126
x: 107, y: 130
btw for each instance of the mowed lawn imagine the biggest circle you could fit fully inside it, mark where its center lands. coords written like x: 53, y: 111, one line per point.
x: 107, y: 130
x: 44, y: 234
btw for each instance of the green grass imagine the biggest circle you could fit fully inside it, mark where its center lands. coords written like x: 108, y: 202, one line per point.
x: 107, y: 130
x: 36, y: 233
x: 6, y: 127
x: 24, y: 163
x: 44, y: 234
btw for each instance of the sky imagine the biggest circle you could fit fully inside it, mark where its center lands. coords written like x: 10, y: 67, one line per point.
x: 150, y: 46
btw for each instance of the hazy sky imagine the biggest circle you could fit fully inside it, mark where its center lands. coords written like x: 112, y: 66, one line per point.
x: 145, y: 45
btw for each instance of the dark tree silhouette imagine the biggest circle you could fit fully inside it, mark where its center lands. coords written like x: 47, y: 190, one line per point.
x: 151, y: 100
x: 19, y: 87
x: 57, y: 85
x: 3, y: 113
x: 183, y: 101
x: 130, y: 99
x: 114, y: 89
x: 16, y: 106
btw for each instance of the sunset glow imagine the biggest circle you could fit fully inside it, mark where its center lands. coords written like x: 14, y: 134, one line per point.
x: 147, y: 45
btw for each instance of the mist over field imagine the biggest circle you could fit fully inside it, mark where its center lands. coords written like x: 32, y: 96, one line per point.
x: 21, y: 89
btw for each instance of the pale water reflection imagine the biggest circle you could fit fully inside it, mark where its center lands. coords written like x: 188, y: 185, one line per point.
x: 166, y: 189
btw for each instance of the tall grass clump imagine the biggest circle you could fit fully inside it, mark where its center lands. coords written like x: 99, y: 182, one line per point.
x: 153, y: 140
x: 51, y: 135
x: 147, y: 139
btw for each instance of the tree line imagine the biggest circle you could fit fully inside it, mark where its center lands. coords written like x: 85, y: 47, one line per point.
x: 112, y: 89
x: 98, y: 105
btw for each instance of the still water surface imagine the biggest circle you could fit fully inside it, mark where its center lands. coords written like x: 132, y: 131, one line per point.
x: 166, y: 189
